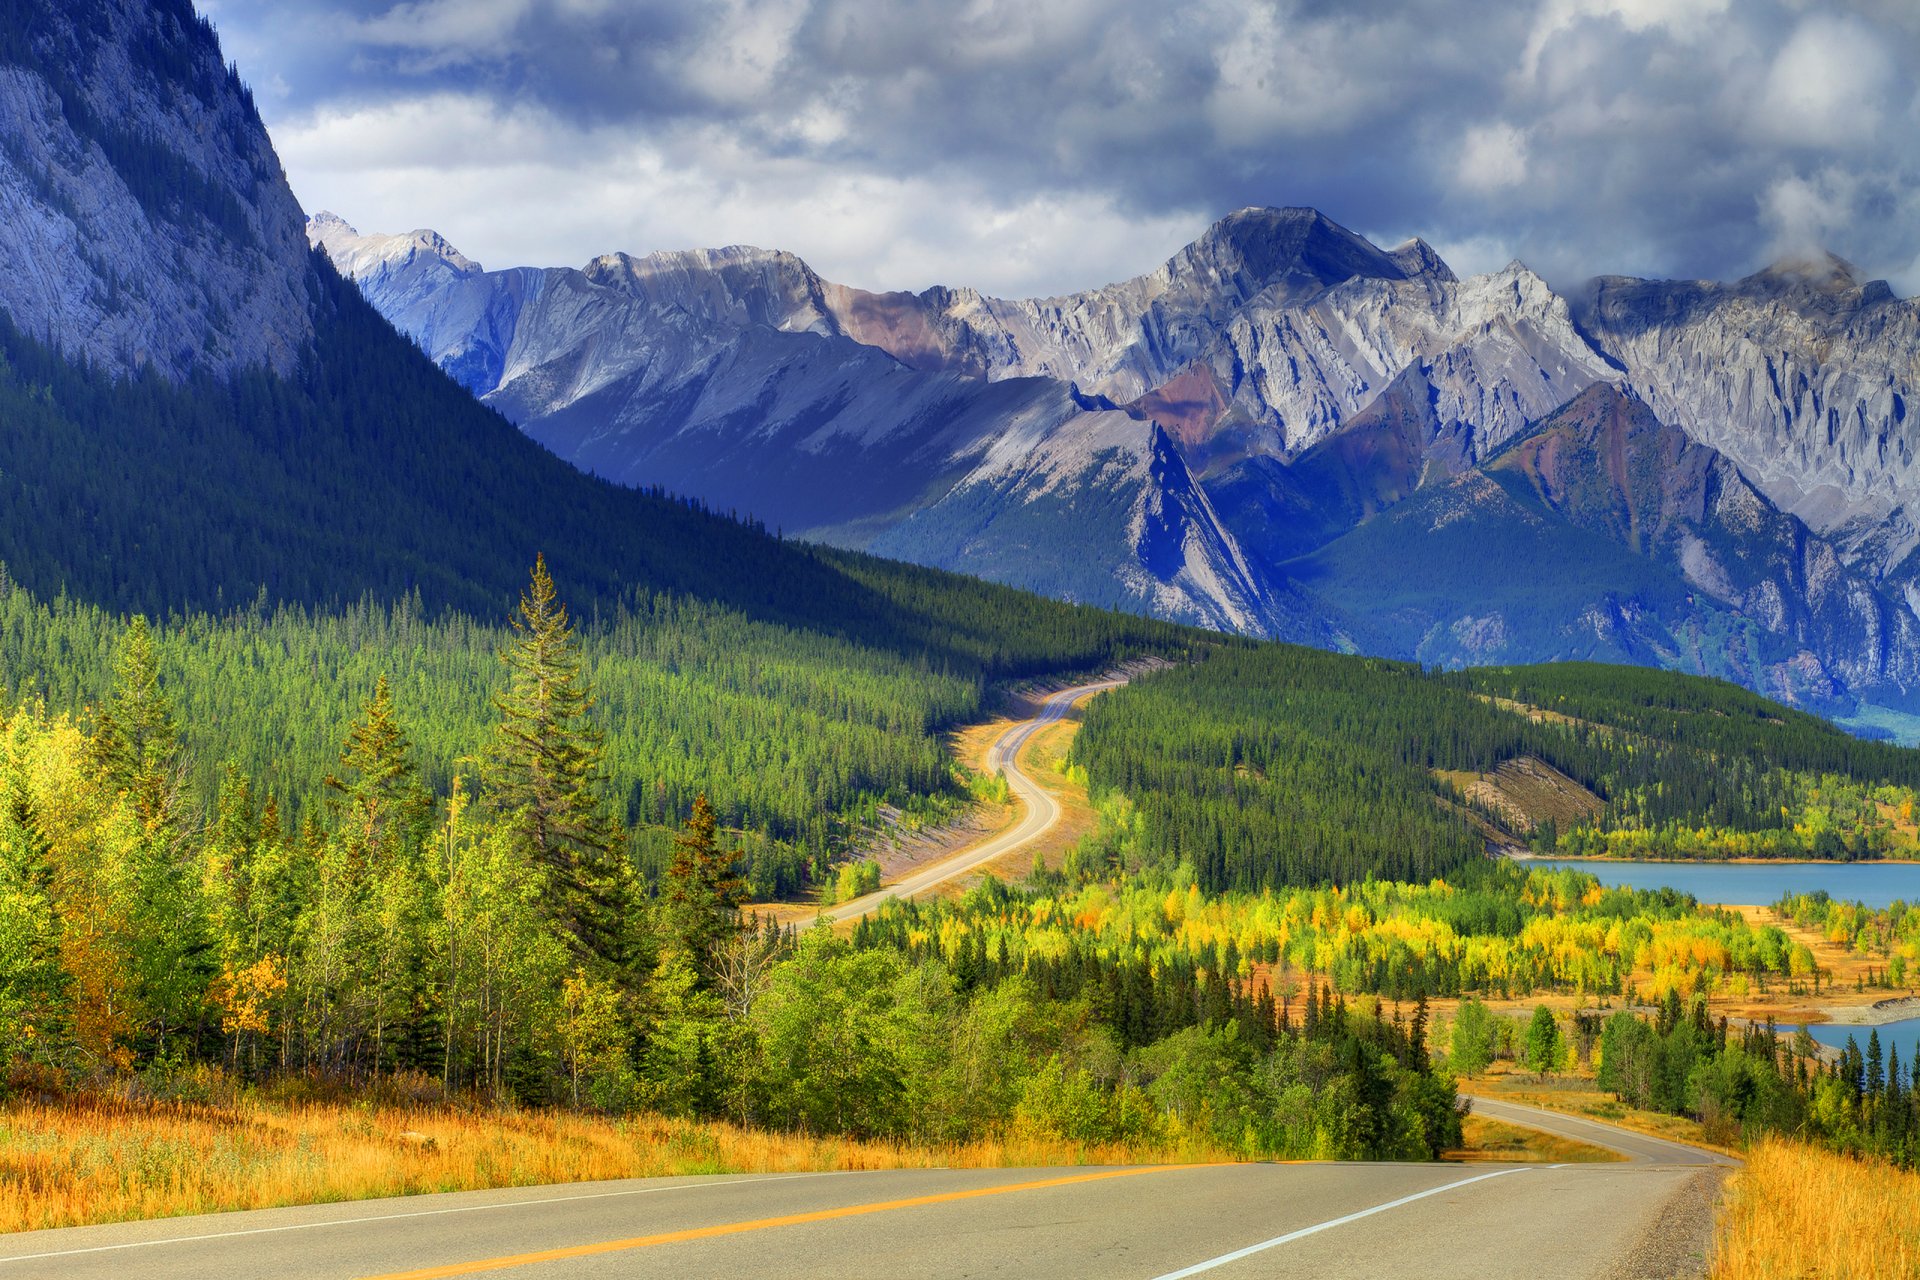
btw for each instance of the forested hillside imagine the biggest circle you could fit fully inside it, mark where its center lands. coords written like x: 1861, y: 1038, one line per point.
x: 796, y: 735
x: 500, y: 941
x: 1260, y: 767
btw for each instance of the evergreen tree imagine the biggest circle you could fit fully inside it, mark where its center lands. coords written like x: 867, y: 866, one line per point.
x: 543, y: 772
x: 386, y: 810
x: 1543, y: 1041
x: 136, y: 742
x: 703, y: 894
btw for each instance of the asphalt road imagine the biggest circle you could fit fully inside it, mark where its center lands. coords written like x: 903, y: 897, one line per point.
x: 1041, y: 810
x: 1638, y: 1148
x: 1154, y: 1223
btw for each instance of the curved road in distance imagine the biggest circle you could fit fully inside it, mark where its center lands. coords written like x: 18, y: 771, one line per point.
x: 1042, y: 810
x: 1638, y: 1148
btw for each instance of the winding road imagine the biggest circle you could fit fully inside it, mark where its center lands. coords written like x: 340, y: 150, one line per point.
x: 1647, y: 1216
x: 1040, y: 810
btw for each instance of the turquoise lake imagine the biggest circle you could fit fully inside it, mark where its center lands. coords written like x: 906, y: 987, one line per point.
x: 1877, y: 884
x: 1905, y: 1034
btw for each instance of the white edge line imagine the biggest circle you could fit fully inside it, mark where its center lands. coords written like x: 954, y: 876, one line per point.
x: 393, y: 1217
x: 1264, y: 1245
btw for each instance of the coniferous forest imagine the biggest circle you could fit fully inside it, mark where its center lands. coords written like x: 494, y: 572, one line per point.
x: 499, y: 937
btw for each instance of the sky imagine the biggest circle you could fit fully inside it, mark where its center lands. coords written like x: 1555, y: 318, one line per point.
x: 1034, y: 147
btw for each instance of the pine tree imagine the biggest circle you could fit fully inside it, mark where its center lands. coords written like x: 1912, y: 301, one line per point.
x: 386, y: 810
x: 703, y: 894
x: 543, y: 772
x: 136, y: 743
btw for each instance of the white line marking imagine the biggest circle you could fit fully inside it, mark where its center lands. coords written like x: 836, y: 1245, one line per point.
x: 1264, y: 1245
x: 394, y: 1217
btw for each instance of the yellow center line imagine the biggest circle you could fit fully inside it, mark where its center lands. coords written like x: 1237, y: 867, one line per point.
x: 759, y: 1224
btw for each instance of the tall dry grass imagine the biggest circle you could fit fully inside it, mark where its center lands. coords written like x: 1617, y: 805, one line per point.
x: 105, y: 1160
x: 1802, y: 1213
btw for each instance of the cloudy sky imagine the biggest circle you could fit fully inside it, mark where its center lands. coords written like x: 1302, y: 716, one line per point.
x: 1038, y: 146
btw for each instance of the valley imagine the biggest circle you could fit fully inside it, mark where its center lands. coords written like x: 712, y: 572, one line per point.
x: 686, y: 765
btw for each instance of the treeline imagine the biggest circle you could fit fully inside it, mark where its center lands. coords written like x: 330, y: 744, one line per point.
x: 369, y: 475
x: 1891, y: 933
x: 1745, y: 1083
x: 797, y: 735
x: 503, y: 943
x: 1496, y: 930
x: 1321, y: 1081
x: 1282, y: 765
x: 795, y: 738
x: 1688, y: 765
x: 1276, y: 765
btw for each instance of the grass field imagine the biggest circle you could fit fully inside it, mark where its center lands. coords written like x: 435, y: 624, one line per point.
x: 1490, y: 1140
x: 105, y: 1160
x: 1797, y: 1211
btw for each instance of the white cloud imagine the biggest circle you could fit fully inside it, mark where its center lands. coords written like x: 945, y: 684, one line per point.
x: 1672, y: 136
x: 520, y: 188
x: 1493, y: 157
x: 1281, y: 76
x: 1827, y: 87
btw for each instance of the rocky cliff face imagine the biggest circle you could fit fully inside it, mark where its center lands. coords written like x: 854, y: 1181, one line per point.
x: 1803, y: 374
x: 728, y: 374
x: 144, y: 219
x: 1607, y: 464
x: 1306, y: 382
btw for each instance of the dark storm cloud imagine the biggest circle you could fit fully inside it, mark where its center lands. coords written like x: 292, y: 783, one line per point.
x: 1051, y: 145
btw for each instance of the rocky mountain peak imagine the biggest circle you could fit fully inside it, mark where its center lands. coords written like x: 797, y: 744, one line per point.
x: 1418, y: 258
x: 1299, y: 248
x: 356, y: 256
x: 1819, y: 281
x: 739, y: 284
x: 1819, y: 269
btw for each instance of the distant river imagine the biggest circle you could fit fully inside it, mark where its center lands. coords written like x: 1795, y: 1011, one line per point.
x: 1875, y: 883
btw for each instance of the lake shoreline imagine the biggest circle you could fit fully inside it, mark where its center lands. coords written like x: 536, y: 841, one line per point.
x: 1519, y: 855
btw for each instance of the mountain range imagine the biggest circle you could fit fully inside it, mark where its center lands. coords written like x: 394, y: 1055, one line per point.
x: 1283, y: 430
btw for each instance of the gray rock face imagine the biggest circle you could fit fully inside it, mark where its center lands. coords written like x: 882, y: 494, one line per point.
x: 144, y: 218
x: 1304, y: 381
x: 1803, y: 374
x: 728, y: 374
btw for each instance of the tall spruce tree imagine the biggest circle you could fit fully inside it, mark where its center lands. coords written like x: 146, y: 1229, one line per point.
x: 136, y: 742
x: 385, y: 808
x: 543, y: 771
x: 703, y: 893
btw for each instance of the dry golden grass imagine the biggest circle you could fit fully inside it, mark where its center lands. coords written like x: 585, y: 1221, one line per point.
x: 1796, y: 1211
x: 1490, y: 1140
x: 75, y: 1163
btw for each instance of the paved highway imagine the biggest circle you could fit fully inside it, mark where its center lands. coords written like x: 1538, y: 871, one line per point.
x: 1041, y: 809
x: 1638, y: 1148
x: 1154, y: 1223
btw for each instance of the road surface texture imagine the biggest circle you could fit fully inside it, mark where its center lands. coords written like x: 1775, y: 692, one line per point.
x: 1041, y: 810
x: 1155, y: 1223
